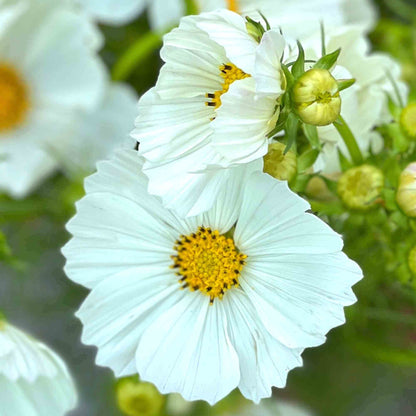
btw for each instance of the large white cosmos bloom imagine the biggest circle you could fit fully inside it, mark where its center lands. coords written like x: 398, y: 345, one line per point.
x: 55, y: 96
x: 202, y: 305
x: 203, y: 115
x: 34, y: 381
x: 295, y: 17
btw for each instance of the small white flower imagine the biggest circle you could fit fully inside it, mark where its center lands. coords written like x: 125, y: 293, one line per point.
x: 34, y: 381
x: 204, y: 116
x: 202, y: 305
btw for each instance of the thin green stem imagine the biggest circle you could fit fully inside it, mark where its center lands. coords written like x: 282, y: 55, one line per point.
x: 134, y: 55
x: 349, y: 140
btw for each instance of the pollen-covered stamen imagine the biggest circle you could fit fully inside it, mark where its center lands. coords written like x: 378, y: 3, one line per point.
x: 13, y: 98
x: 230, y: 73
x: 208, y: 261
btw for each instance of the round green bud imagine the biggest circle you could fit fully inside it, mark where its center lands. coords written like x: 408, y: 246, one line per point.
x: 316, y: 97
x: 278, y: 164
x: 135, y: 398
x: 359, y: 187
x: 406, y: 192
x: 408, y: 120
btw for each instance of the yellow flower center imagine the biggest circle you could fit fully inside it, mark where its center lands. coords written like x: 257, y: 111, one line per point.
x: 13, y: 98
x: 232, y: 5
x: 229, y: 73
x: 208, y: 261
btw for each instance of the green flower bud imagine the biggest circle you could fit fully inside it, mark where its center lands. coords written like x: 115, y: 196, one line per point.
x: 316, y: 97
x: 254, y: 29
x: 406, y: 192
x: 408, y: 120
x: 359, y: 187
x: 412, y: 260
x: 279, y: 165
x: 135, y: 398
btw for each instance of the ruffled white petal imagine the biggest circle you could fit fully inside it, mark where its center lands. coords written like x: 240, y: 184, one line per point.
x: 264, y: 361
x: 267, y: 72
x: 228, y: 29
x: 132, y: 231
x: 242, y: 123
x: 120, y: 308
x: 296, y: 275
x: 187, y: 350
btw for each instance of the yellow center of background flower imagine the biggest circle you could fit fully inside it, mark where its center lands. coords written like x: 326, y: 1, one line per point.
x: 13, y: 98
x: 208, y: 261
x: 232, y: 5
x: 229, y: 73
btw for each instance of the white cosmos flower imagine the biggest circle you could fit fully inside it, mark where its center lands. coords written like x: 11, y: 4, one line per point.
x: 34, y: 381
x: 203, y: 116
x: 55, y: 96
x: 295, y: 17
x: 202, y: 305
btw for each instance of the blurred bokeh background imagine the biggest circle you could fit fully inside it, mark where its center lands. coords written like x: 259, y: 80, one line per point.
x: 367, y: 367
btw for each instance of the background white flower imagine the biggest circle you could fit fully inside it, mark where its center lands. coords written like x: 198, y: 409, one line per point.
x: 295, y: 17
x: 188, y: 309
x: 54, y: 90
x: 34, y: 381
x: 274, y: 407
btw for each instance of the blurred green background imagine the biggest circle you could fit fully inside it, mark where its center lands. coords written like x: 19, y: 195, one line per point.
x: 367, y: 367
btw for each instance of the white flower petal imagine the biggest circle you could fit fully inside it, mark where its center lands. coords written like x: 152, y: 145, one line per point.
x: 34, y: 380
x: 264, y: 361
x: 119, y: 310
x: 268, y: 69
x: 163, y: 14
x: 242, y: 123
x: 228, y: 29
x: 116, y: 12
x: 187, y: 350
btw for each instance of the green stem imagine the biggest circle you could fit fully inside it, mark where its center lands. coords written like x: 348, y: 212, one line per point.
x: 349, y: 140
x: 135, y: 54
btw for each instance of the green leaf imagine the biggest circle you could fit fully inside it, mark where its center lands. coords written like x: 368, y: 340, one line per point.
x: 291, y: 129
x: 311, y: 133
x: 328, y: 61
x: 345, y: 83
x: 298, y: 68
x: 307, y: 159
x: 344, y: 162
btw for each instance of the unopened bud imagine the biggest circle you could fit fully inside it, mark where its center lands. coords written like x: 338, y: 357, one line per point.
x: 135, y: 398
x: 406, y: 193
x: 408, y: 120
x: 359, y: 187
x: 316, y: 96
x: 254, y: 29
x: 278, y: 164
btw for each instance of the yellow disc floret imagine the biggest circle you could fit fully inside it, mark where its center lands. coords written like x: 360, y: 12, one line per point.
x: 208, y: 261
x: 229, y: 73
x: 13, y: 98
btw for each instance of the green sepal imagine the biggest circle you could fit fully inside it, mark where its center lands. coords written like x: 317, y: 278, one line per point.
x: 298, y: 68
x: 328, y: 61
x: 311, y: 133
x: 300, y: 183
x: 344, y: 162
x: 290, y: 80
x: 291, y: 129
x: 268, y: 27
x: 254, y: 29
x: 307, y: 159
x: 345, y: 83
